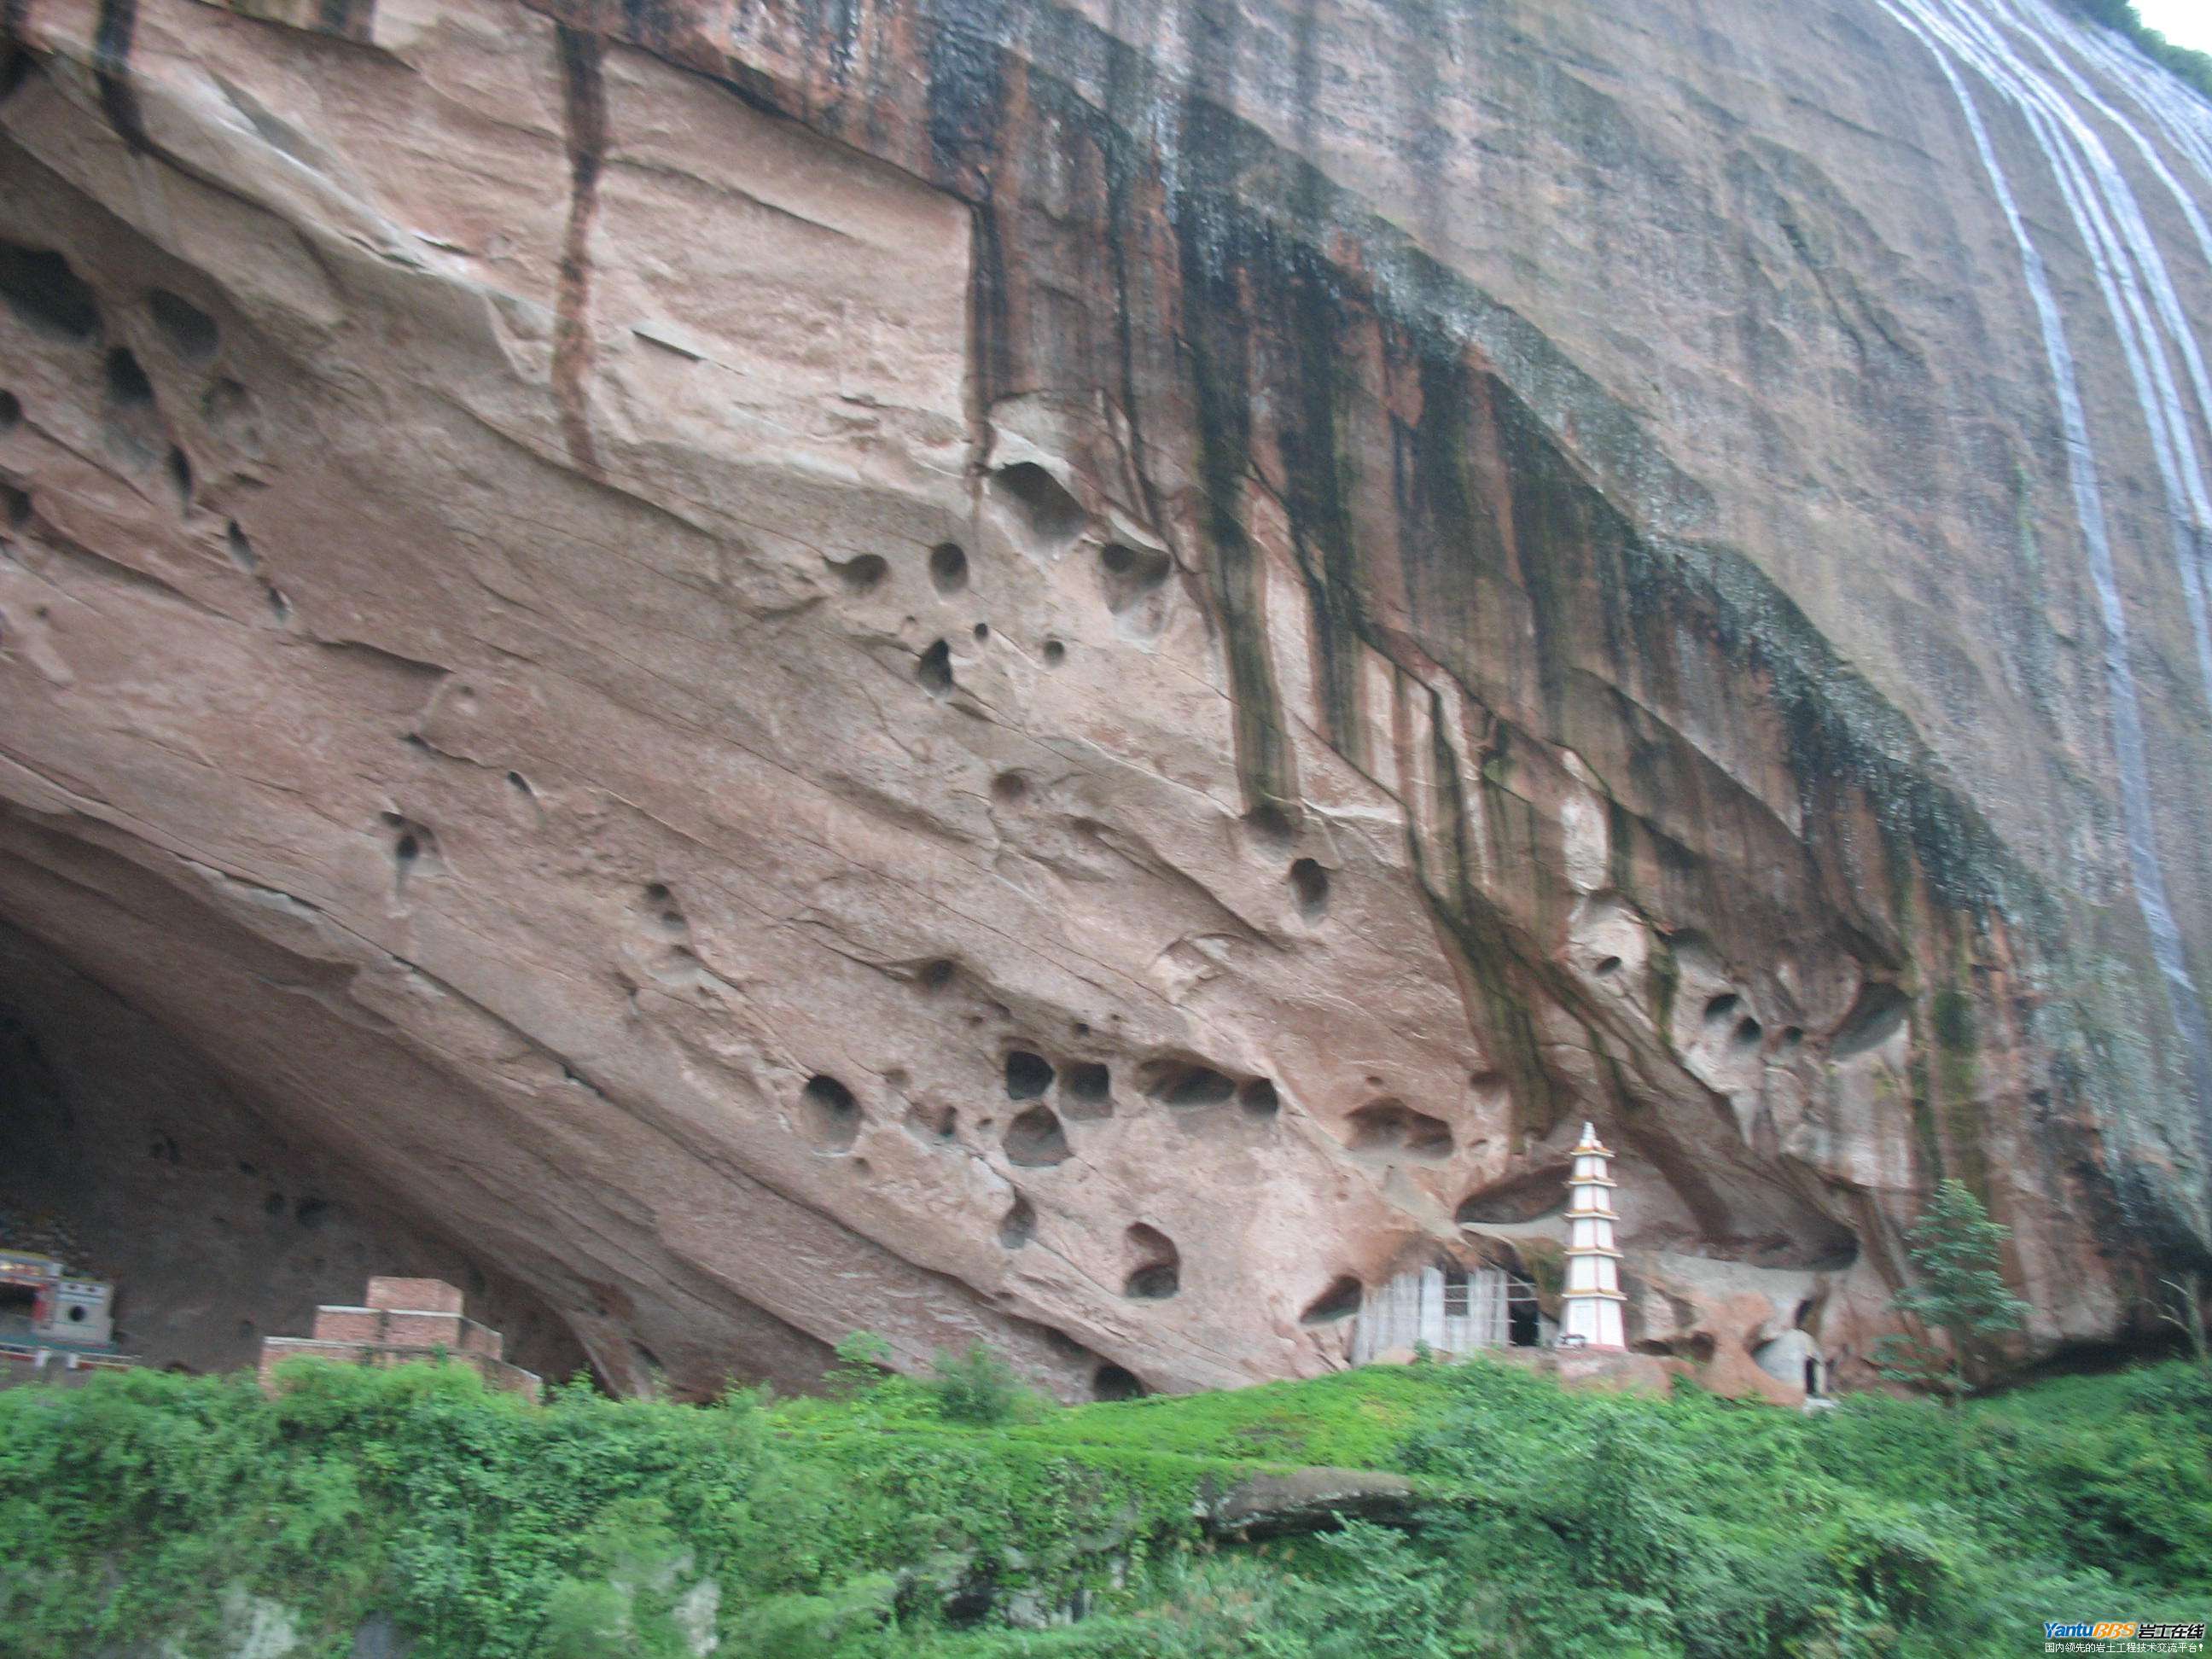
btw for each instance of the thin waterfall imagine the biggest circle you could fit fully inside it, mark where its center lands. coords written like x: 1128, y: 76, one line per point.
x: 2039, y: 31
x: 2128, y: 267
x: 2182, y: 119
x: 2185, y: 137
x: 2146, y: 865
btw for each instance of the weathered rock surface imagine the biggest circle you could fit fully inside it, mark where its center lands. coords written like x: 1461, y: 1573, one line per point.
x: 1309, y: 1500
x: 1069, y: 674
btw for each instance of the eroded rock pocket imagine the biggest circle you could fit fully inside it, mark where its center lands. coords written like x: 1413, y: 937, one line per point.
x: 1156, y: 1265
x: 1086, y: 1091
x: 1036, y: 1140
x: 1340, y: 1300
x: 1390, y: 1129
x: 1028, y: 1075
x: 1135, y: 582
x: 1185, y: 1084
x: 1039, y: 503
x: 829, y: 1116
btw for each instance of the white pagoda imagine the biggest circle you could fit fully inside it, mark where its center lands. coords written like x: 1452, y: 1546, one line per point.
x: 1592, y: 1300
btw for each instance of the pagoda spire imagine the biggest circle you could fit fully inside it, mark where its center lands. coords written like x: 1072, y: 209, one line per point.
x: 1593, y: 1300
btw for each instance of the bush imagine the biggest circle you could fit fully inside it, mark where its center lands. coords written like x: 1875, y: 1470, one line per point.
x: 135, y: 1510
x: 974, y: 1387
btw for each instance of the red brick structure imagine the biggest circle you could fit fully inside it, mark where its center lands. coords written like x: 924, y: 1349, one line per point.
x: 405, y: 1319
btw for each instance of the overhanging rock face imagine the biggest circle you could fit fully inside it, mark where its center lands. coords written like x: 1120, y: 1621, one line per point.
x: 1074, y: 675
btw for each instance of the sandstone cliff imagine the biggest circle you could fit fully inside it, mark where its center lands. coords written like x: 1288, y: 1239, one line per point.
x: 1079, y: 673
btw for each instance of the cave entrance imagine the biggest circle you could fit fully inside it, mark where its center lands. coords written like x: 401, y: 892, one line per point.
x: 134, y: 1163
x: 19, y: 1311
x: 1524, y: 1321
x: 1813, y: 1389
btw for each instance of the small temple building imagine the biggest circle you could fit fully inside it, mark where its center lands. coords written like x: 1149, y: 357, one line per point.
x: 403, y: 1321
x: 1452, y: 1307
x: 45, y: 1303
x: 57, y: 1325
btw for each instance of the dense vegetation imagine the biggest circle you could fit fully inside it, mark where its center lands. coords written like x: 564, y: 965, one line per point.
x: 912, y: 1518
x: 2194, y: 67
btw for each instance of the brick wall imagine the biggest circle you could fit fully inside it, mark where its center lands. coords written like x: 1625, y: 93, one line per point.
x: 421, y: 1330
x: 405, y: 1320
x: 348, y: 1324
x: 420, y: 1295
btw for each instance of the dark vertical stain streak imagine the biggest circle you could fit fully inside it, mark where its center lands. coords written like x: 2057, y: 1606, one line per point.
x: 584, y: 118
x: 1269, y: 332
x: 1127, y: 86
x: 966, y: 99
x: 1218, y: 254
x: 351, y: 19
x: 111, y: 70
x: 16, y: 56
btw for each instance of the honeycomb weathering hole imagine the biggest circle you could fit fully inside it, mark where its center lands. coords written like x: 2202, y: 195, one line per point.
x: 1028, y: 1075
x: 1086, y: 1090
x: 1135, y: 582
x: 948, y: 567
x: 1522, y: 1198
x: 1018, y: 1225
x: 934, y: 670
x: 1390, y: 1128
x: 1036, y: 1140
x: 414, y: 847
x: 828, y: 1114
x: 1340, y: 1300
x: 1258, y: 1097
x: 864, y: 574
x: 1185, y: 1083
x: 1877, y: 1016
x: 1156, y: 1265
x: 127, y: 385
x: 1309, y: 884
x: 1040, y: 502
x: 931, y: 1122
x: 190, y: 332
x: 39, y: 287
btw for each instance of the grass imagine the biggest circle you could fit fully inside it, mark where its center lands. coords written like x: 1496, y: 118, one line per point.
x: 145, y: 1509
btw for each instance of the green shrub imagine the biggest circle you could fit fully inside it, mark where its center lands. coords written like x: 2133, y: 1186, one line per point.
x: 137, y: 1511
x: 974, y: 1387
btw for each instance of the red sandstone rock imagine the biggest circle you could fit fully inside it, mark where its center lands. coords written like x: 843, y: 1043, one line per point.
x: 776, y: 725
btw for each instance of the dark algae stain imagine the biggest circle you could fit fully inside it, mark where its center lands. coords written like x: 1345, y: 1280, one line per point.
x: 111, y: 70
x: 1443, y: 474
x: 584, y: 118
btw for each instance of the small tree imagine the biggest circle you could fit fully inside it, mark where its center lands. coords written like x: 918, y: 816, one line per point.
x: 864, y: 1360
x: 975, y: 1387
x: 1961, y: 1292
